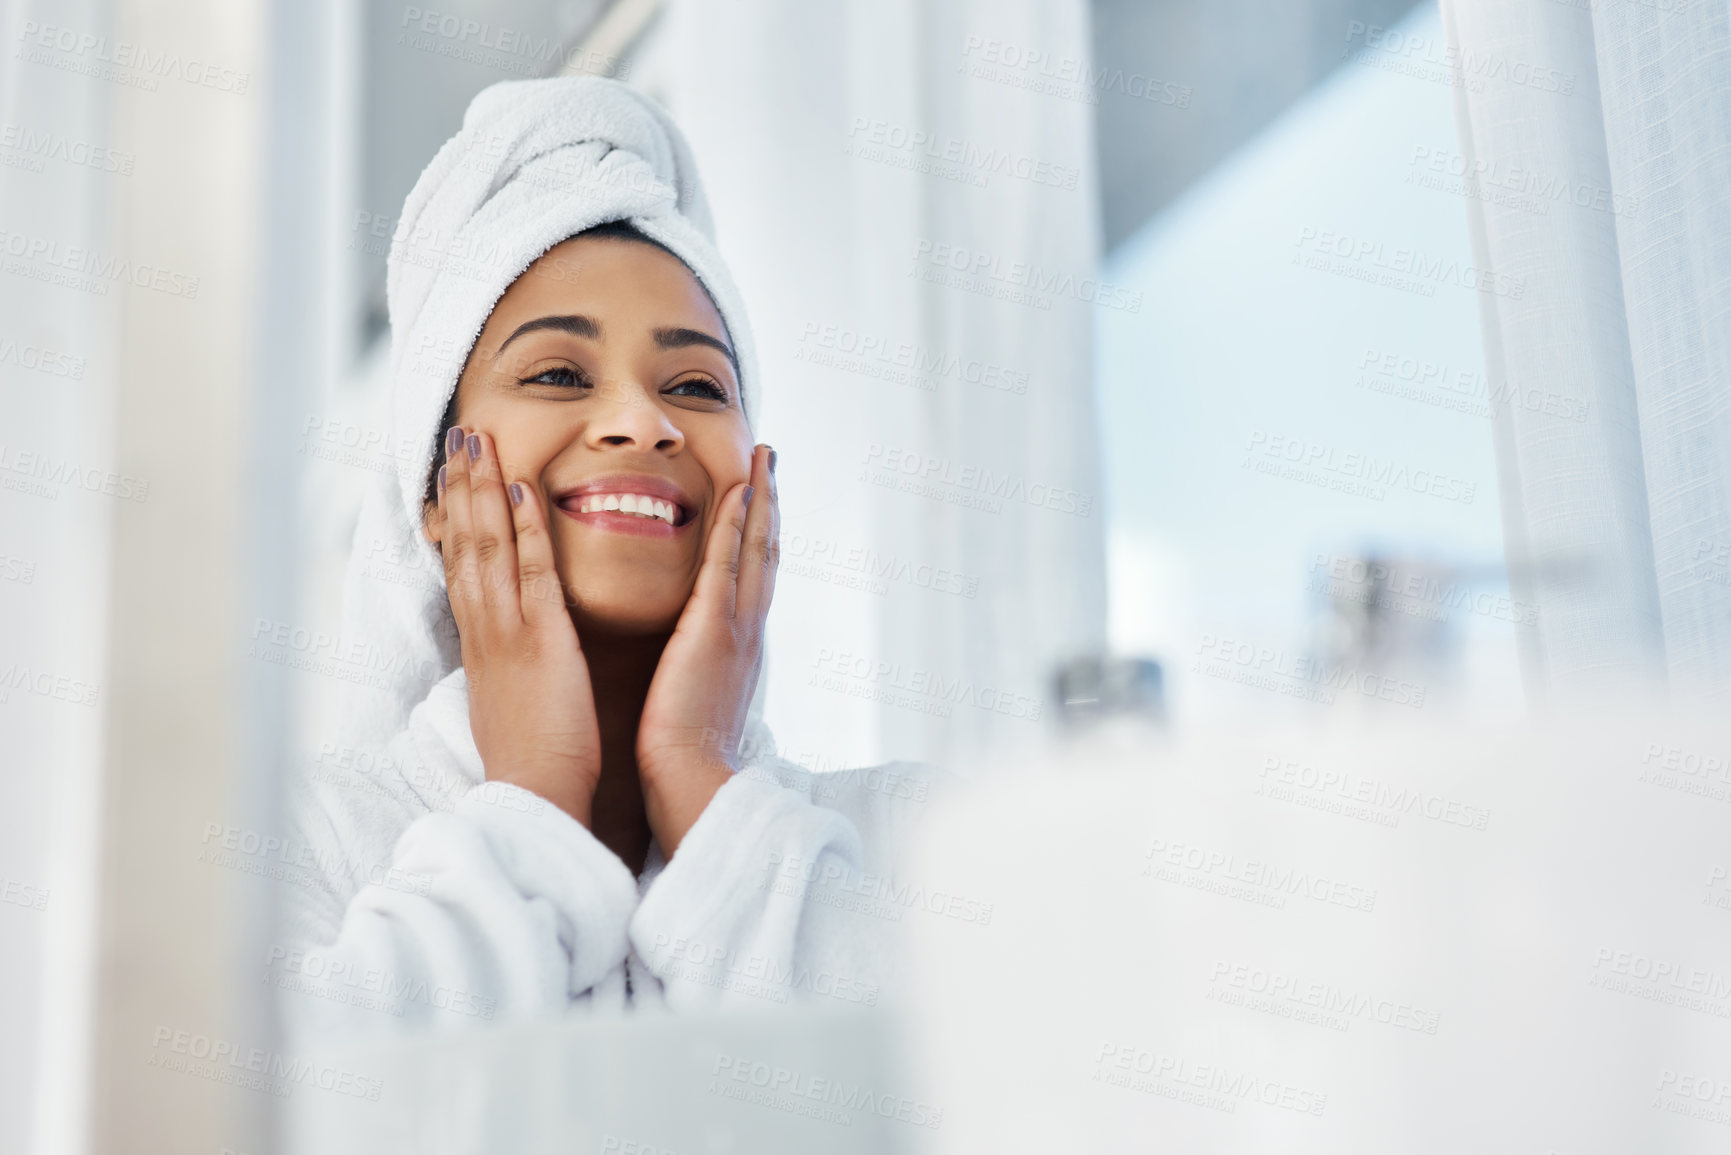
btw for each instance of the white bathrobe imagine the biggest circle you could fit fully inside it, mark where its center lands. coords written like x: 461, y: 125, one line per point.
x: 417, y: 889
x: 426, y: 894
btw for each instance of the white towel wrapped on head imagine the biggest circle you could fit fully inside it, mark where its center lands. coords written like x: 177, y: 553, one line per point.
x: 536, y: 162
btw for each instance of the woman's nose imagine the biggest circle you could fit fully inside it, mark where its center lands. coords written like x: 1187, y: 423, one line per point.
x: 626, y: 413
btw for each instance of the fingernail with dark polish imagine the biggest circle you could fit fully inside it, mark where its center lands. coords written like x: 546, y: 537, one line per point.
x: 516, y: 494
x: 442, y: 469
x: 453, y: 441
x: 772, y: 460
x: 749, y: 490
x: 474, y: 447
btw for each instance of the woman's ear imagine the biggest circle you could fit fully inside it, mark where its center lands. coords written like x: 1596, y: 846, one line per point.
x: 432, y: 524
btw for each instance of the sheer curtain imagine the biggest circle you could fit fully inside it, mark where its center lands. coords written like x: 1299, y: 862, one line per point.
x: 1596, y: 142
x: 906, y: 192
x: 58, y: 369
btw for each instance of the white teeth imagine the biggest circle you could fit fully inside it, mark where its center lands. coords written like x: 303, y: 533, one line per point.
x: 637, y: 504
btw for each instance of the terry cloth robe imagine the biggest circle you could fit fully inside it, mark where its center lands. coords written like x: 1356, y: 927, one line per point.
x: 419, y: 892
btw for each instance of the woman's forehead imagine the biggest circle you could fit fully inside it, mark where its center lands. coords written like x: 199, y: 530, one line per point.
x: 636, y: 284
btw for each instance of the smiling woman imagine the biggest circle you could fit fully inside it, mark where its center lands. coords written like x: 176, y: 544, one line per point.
x: 602, y: 391
x: 644, y: 372
x: 582, y: 808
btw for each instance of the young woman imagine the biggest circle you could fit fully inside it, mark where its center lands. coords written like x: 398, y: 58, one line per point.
x: 575, y: 804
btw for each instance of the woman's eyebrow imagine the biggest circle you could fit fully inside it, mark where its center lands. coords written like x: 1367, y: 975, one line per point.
x: 571, y: 323
x: 684, y: 338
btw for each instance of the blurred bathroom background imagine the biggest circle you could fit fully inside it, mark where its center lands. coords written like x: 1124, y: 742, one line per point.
x: 1116, y: 351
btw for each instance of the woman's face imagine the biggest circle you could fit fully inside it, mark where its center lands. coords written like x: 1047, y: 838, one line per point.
x: 605, y: 371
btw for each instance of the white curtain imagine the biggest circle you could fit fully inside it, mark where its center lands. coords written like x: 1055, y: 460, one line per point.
x: 942, y: 520
x: 61, y: 170
x: 1597, y: 139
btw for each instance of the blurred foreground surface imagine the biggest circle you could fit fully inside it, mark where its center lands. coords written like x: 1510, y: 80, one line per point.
x: 1412, y: 939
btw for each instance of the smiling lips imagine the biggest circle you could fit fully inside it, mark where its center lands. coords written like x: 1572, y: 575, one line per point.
x: 642, y: 505
x: 636, y: 504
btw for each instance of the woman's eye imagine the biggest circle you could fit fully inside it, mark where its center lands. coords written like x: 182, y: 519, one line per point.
x: 561, y: 376
x: 703, y: 387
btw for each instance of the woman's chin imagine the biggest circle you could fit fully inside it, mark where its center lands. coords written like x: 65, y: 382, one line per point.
x: 599, y: 617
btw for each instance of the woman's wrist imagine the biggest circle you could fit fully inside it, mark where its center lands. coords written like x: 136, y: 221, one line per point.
x: 676, y: 794
x: 572, y: 799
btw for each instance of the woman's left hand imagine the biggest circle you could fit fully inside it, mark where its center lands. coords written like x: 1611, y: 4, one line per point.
x: 688, y: 737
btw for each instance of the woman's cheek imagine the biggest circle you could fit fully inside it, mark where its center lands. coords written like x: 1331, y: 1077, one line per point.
x: 565, y: 559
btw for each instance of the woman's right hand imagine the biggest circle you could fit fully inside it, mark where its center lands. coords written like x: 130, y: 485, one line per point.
x: 531, y: 706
